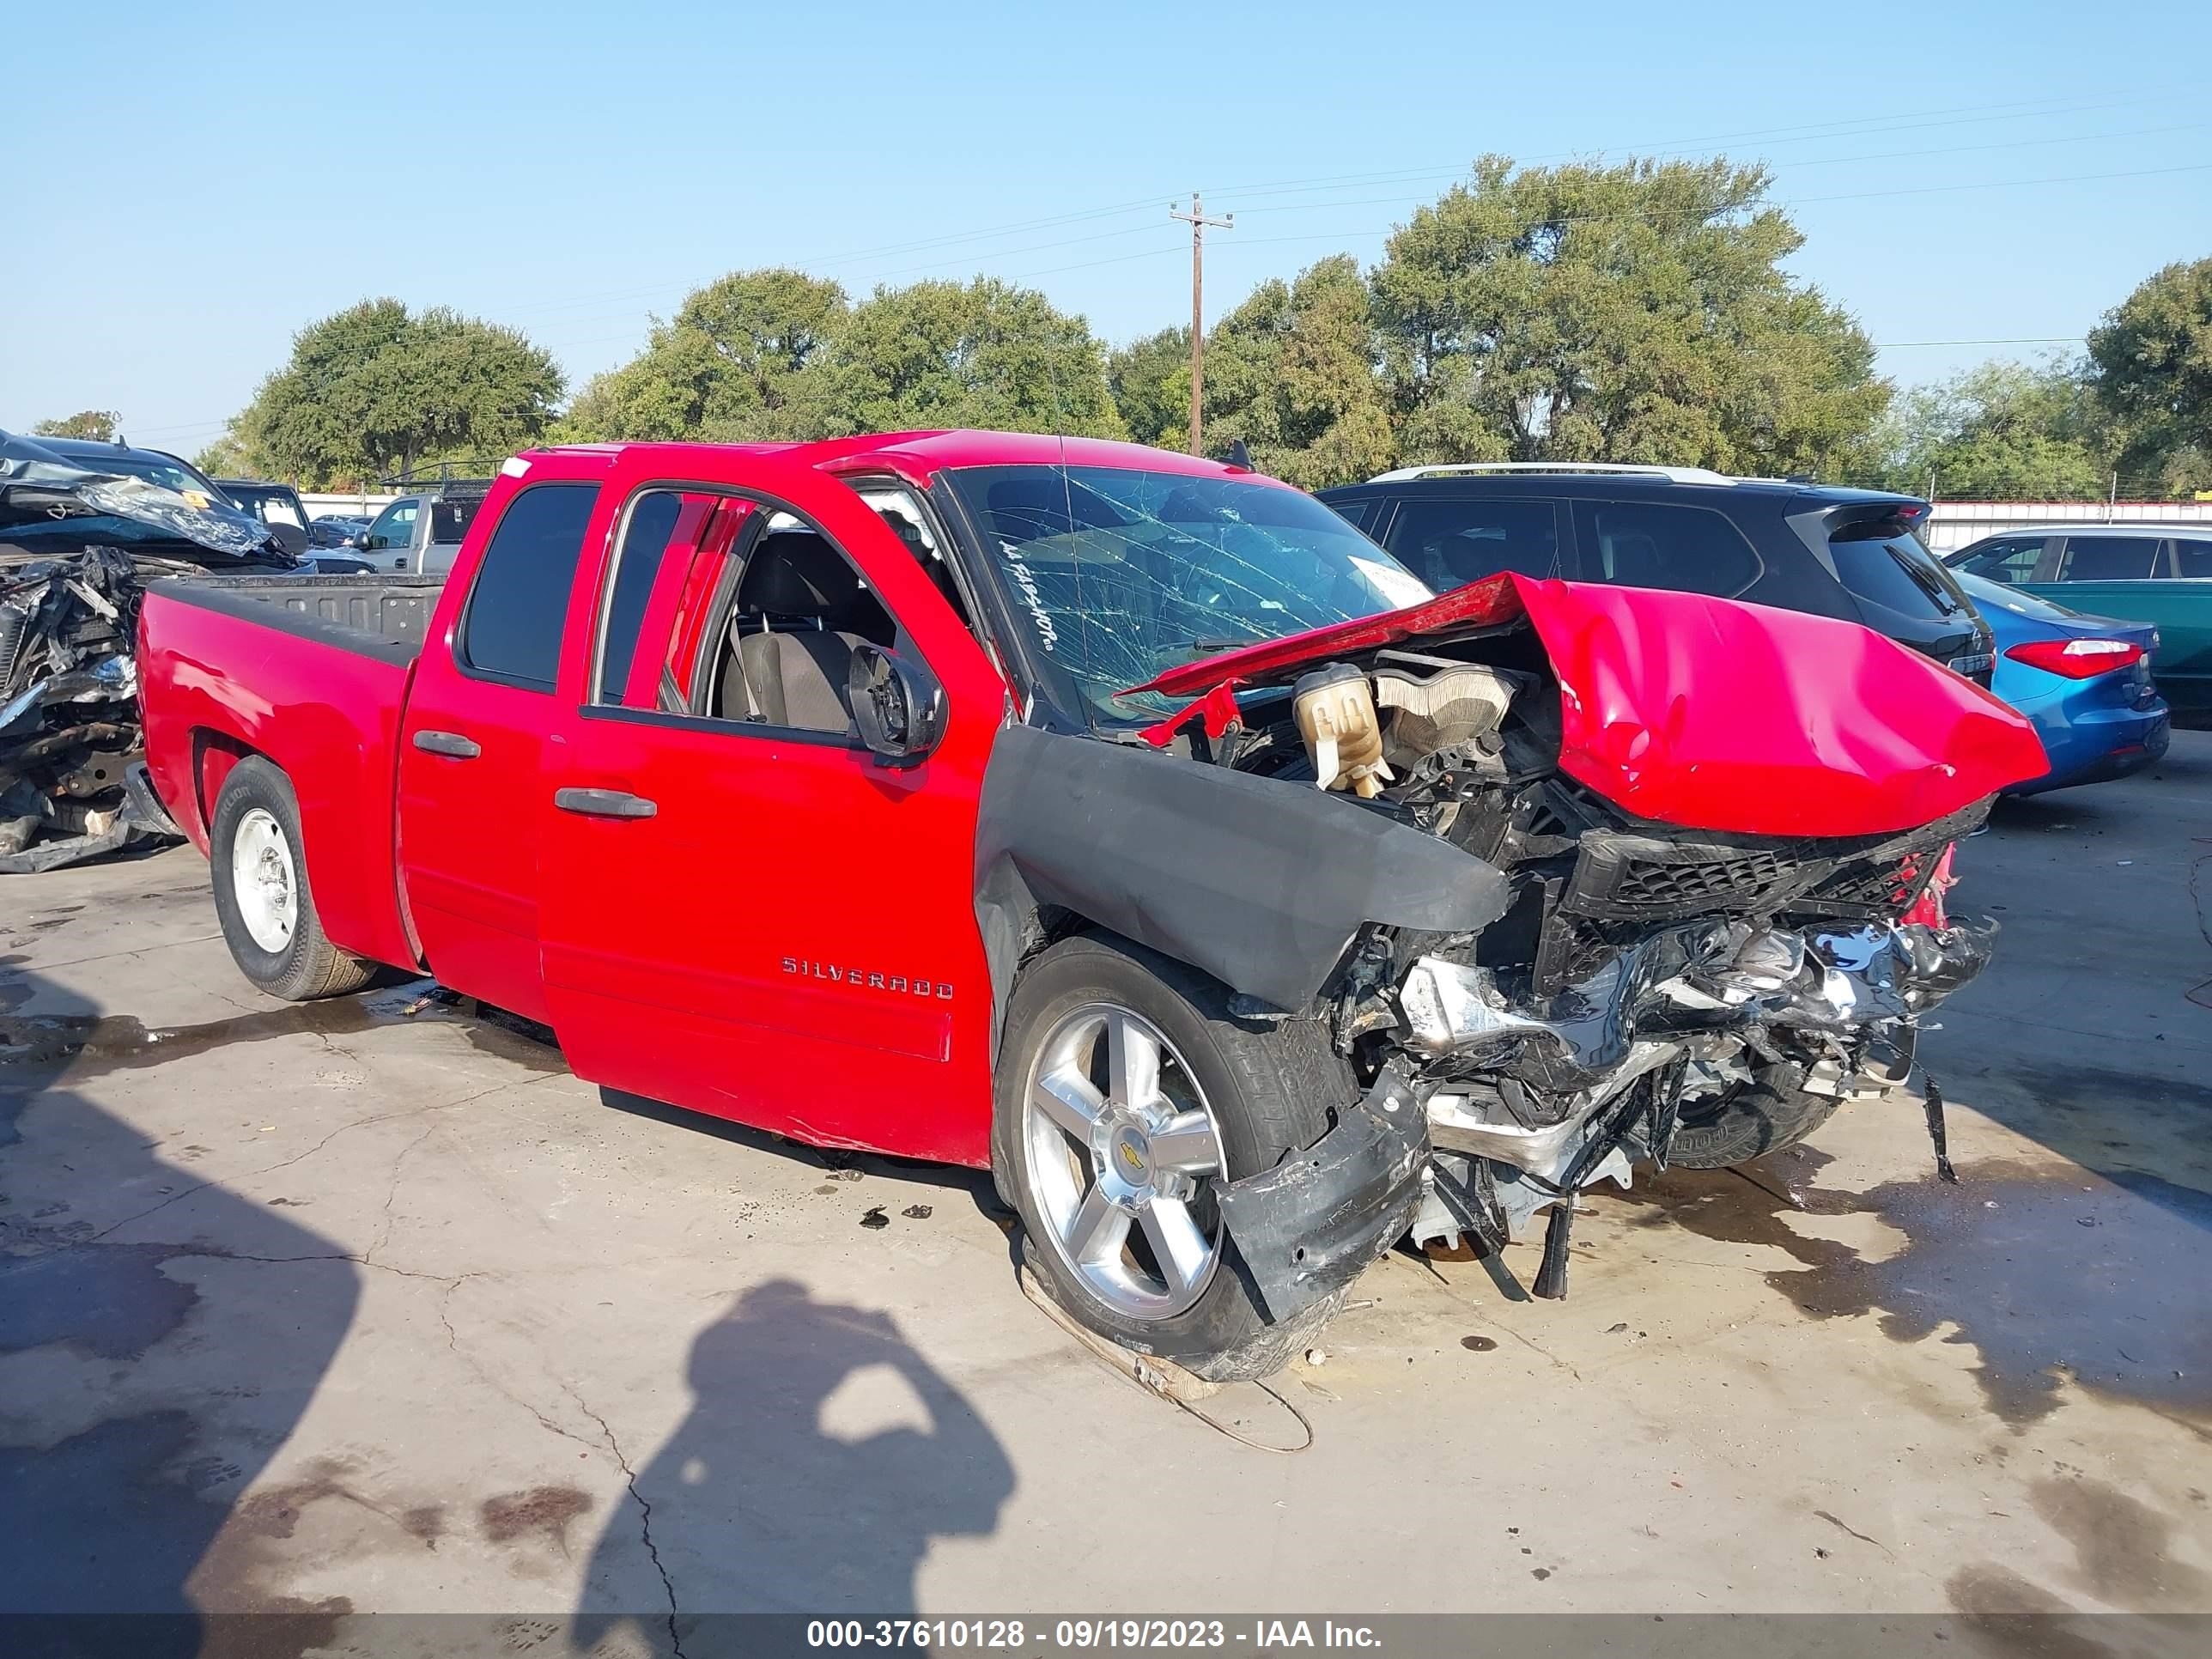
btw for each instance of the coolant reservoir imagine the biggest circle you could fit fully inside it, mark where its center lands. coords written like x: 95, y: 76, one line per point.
x: 1335, y: 707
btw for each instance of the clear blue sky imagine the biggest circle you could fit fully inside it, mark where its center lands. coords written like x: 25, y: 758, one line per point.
x: 200, y: 181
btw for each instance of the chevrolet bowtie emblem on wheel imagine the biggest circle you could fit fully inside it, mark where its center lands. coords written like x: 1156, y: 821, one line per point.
x: 860, y: 978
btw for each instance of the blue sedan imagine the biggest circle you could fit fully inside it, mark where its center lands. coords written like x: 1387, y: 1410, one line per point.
x: 2084, y: 680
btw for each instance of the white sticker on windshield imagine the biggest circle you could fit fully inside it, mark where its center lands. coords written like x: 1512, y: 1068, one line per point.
x: 1027, y: 583
x: 1401, y: 587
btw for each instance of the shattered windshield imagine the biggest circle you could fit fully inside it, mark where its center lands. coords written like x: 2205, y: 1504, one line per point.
x: 1119, y: 574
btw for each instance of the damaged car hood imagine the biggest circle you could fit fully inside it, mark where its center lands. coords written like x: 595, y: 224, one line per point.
x: 47, y: 503
x: 1711, y: 714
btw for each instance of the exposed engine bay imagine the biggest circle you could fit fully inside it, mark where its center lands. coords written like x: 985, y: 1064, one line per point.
x: 1651, y: 993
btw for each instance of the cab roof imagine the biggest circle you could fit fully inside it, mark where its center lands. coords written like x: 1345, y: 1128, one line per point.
x: 918, y: 455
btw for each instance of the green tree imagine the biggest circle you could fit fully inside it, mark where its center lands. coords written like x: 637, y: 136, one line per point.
x: 1636, y: 312
x: 376, y: 390
x: 98, y: 424
x: 743, y: 359
x: 226, y: 458
x: 981, y: 354
x: 1293, y: 373
x: 2153, y: 354
x: 1150, y: 381
x: 2003, y: 431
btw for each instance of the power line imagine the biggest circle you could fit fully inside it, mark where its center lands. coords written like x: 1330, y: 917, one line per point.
x: 1338, y: 235
x: 2042, y: 108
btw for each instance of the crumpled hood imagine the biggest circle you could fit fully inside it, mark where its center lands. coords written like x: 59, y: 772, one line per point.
x: 1712, y: 714
x: 45, y: 499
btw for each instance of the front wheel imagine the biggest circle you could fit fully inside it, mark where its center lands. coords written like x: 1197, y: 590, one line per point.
x: 1127, y: 1095
x: 1741, y: 1118
x: 261, y: 892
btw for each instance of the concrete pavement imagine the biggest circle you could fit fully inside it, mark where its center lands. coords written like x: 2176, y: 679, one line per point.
x: 331, y: 1309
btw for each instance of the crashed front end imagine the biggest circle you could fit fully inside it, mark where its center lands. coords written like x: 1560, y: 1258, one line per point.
x: 1714, y: 841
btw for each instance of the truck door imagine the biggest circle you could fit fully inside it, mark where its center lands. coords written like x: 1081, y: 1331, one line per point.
x: 743, y: 911
x: 389, y: 541
x: 470, y: 746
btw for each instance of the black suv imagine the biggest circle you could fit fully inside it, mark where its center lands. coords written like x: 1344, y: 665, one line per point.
x: 1845, y: 553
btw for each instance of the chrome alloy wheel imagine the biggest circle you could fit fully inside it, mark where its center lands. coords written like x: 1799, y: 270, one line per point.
x: 1121, y: 1144
x: 264, y: 880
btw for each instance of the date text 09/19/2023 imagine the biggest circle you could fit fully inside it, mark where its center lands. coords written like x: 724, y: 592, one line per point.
x: 1255, y: 1635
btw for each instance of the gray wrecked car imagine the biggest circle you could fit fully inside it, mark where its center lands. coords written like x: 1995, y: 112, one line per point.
x: 77, y: 547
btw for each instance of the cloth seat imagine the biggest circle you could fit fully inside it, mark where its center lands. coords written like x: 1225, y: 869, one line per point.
x: 801, y: 615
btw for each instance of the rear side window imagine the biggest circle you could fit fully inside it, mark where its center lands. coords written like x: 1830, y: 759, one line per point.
x: 450, y: 519
x: 1359, y: 514
x: 1894, y: 573
x: 1448, y: 543
x: 2109, y: 559
x: 511, y: 630
x: 2011, y: 560
x: 2193, y: 560
x: 666, y: 567
x: 1692, y: 549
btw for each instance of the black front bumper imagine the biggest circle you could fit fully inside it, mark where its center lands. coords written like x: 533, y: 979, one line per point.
x: 1311, y: 1225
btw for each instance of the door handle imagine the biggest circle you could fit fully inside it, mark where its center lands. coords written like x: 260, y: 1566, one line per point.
x: 452, y: 745
x: 604, y: 803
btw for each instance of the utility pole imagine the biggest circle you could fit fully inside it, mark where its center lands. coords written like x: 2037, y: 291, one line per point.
x: 1198, y: 221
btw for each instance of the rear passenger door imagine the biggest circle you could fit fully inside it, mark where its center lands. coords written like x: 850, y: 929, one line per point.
x: 471, y: 741
x: 2106, y: 575
x: 1664, y: 545
x: 1450, y: 540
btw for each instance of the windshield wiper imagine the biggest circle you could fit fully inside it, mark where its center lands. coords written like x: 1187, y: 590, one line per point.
x: 1209, y: 644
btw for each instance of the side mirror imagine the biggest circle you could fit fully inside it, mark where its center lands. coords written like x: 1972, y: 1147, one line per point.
x: 368, y: 544
x: 898, y: 706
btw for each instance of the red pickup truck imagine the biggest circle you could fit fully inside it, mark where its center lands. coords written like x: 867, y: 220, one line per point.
x: 1124, y: 822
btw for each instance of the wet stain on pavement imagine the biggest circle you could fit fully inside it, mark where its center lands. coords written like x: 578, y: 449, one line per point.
x: 546, y: 1511
x: 93, y: 1045
x: 2010, y: 1614
x: 2043, y: 1272
x: 509, y: 1036
x: 2123, y: 1547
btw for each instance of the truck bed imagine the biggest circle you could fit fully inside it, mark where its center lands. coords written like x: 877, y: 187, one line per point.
x: 312, y: 673
x: 389, y: 609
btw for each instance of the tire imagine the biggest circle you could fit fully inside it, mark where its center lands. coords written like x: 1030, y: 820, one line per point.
x: 1269, y: 1090
x: 1748, y: 1120
x: 256, y: 823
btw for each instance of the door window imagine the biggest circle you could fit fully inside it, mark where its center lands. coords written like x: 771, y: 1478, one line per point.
x: 511, y: 629
x: 746, y: 613
x: 1450, y: 542
x: 2011, y: 560
x: 662, y: 545
x: 2109, y: 559
x: 1691, y: 549
x: 394, y: 526
x: 2193, y: 560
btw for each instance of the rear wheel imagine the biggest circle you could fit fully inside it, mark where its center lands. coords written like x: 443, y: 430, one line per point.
x: 1742, y: 1117
x: 1126, y: 1096
x: 261, y: 892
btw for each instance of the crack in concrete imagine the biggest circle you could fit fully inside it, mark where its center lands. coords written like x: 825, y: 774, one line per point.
x: 391, y: 1193
x: 645, y: 1514
x: 286, y: 1164
x: 1856, y: 1533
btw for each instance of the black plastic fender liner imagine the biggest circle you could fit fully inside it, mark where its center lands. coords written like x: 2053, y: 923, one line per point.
x: 1260, y: 883
x: 1311, y: 1225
